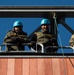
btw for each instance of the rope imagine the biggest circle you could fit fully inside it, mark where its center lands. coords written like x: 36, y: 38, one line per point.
x: 55, y: 22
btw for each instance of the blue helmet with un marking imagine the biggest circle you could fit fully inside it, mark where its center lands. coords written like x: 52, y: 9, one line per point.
x: 45, y: 21
x: 17, y: 24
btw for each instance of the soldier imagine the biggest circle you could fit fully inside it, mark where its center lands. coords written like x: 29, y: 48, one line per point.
x: 16, y: 36
x: 71, y: 41
x: 44, y: 37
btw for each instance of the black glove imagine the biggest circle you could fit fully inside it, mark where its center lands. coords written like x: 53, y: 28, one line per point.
x: 15, y: 39
x: 33, y: 43
x: 53, y: 39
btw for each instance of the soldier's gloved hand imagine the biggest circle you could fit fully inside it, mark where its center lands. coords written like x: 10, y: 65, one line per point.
x: 33, y: 43
x: 17, y: 39
x: 53, y: 39
x: 14, y: 39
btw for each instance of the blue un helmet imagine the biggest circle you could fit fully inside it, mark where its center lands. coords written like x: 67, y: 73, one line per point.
x: 17, y: 24
x: 45, y: 21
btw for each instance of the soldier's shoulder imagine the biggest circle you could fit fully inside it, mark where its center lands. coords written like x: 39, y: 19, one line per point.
x: 72, y: 36
x: 53, y: 35
x: 37, y: 32
x: 25, y: 33
x: 9, y: 31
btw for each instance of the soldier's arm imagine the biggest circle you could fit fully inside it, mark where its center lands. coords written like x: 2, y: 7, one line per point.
x: 33, y: 41
x: 7, y: 38
x: 34, y: 38
x: 71, y: 41
x: 54, y: 40
x: 24, y: 38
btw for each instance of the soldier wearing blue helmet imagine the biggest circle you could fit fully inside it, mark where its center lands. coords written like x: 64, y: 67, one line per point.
x: 44, y: 37
x: 16, y: 36
x: 17, y: 24
x: 45, y: 22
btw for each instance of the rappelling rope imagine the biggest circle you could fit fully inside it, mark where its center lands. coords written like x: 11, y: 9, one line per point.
x: 55, y: 22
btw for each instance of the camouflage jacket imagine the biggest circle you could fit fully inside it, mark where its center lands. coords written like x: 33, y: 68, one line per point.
x: 47, y: 39
x: 71, y: 41
x: 22, y: 36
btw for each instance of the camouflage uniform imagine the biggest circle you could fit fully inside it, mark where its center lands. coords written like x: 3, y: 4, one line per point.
x: 71, y: 41
x: 46, y: 39
x: 21, y: 37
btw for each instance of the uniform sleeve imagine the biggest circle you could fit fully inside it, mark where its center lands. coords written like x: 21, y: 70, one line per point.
x: 54, y: 41
x: 7, y: 38
x: 33, y: 41
x: 34, y: 38
x: 71, y: 41
x: 24, y: 38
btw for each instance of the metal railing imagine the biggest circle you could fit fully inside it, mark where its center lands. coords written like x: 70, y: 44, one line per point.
x: 10, y: 44
x: 43, y: 49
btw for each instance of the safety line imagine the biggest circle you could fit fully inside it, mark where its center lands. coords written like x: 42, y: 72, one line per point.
x: 55, y: 22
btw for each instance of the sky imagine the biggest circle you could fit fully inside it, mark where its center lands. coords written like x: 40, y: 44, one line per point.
x: 37, y: 2
x: 30, y: 24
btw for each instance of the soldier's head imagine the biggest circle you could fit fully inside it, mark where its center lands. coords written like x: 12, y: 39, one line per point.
x: 17, y: 26
x: 45, y: 24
